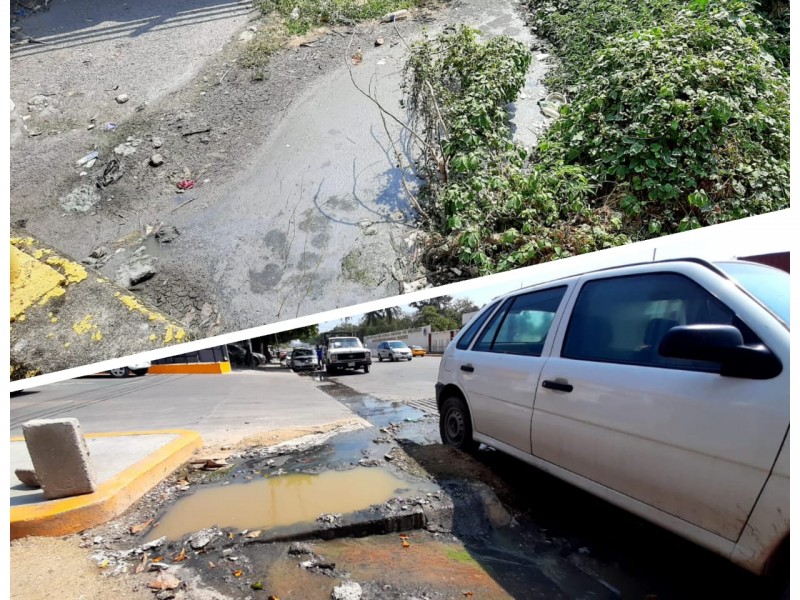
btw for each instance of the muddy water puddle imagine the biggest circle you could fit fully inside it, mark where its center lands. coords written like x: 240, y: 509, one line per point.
x: 279, y: 501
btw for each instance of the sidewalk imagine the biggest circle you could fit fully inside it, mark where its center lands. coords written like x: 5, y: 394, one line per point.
x: 127, y: 466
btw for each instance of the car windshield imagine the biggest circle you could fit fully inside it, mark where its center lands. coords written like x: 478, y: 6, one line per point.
x: 397, y: 345
x: 767, y: 285
x: 346, y: 343
x: 303, y: 352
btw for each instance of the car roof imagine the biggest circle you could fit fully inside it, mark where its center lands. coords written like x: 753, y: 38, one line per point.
x: 712, y: 266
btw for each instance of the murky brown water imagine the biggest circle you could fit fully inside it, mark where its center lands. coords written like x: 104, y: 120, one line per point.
x: 278, y: 501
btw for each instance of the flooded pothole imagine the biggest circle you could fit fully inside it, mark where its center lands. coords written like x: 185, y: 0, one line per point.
x: 282, y: 501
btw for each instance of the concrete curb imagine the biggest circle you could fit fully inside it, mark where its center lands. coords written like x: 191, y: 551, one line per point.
x: 66, y: 315
x: 192, y: 369
x: 113, y: 497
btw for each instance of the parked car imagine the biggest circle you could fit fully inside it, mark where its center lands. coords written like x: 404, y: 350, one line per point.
x: 303, y: 359
x: 393, y: 350
x: 418, y: 351
x: 138, y: 369
x: 662, y: 388
x: 238, y: 356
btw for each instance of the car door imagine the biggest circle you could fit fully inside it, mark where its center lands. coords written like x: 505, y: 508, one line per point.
x: 500, y: 371
x: 671, y: 433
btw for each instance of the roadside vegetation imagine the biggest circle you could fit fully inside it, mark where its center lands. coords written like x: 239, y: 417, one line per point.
x: 286, y: 18
x: 677, y: 117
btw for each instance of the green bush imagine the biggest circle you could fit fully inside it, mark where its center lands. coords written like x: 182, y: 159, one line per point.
x: 488, y: 207
x: 684, y: 125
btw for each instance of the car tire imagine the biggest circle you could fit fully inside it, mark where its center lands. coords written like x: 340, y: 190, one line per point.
x: 409, y: 358
x: 394, y: 358
x: 139, y: 372
x: 119, y: 372
x: 455, y: 425
x: 380, y: 357
x: 366, y: 368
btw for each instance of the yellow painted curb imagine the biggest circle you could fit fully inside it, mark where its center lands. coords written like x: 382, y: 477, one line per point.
x: 113, y: 497
x: 191, y: 369
x: 33, y: 280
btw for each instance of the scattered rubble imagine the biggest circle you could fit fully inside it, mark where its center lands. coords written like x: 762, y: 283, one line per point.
x: 201, y: 539
x: 122, y: 98
x: 112, y: 172
x: 80, y: 200
x: 156, y: 160
x: 349, y: 590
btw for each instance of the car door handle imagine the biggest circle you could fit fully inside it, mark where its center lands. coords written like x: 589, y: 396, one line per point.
x: 556, y: 385
x: 468, y: 368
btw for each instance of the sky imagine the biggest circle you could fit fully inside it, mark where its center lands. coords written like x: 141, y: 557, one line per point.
x: 751, y: 236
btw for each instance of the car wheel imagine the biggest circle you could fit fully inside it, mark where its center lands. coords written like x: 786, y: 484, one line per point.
x: 380, y: 357
x: 139, y: 372
x: 455, y: 425
x: 409, y: 358
x: 366, y: 368
x: 394, y: 358
x: 119, y: 372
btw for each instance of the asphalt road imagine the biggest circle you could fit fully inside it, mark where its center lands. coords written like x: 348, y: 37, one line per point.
x: 222, y: 408
x: 402, y: 381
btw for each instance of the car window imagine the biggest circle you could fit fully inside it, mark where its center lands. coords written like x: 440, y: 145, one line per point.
x: 398, y: 345
x: 623, y: 319
x: 474, y: 326
x: 522, y: 325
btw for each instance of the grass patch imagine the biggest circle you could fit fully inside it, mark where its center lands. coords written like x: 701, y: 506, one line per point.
x: 300, y: 16
x: 460, y: 555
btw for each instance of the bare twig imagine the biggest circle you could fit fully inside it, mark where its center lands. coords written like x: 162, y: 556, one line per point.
x: 189, y: 201
x: 224, y: 74
x: 188, y: 133
x: 383, y: 110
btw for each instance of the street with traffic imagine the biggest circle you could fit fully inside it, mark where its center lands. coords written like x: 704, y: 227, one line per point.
x: 320, y: 483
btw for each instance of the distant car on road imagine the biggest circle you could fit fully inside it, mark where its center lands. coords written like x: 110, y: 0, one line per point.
x: 418, y: 351
x: 393, y: 350
x: 661, y: 387
x: 137, y: 369
x: 346, y: 353
x: 303, y: 359
x: 238, y: 356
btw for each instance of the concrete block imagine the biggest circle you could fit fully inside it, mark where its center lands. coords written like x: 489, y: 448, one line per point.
x: 60, y: 457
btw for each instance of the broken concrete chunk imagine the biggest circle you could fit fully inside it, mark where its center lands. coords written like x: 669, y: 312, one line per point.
x: 201, y: 539
x: 122, y: 98
x: 349, y: 590
x: 60, y: 457
x: 156, y: 160
x: 82, y: 199
x: 157, y: 142
x: 27, y: 477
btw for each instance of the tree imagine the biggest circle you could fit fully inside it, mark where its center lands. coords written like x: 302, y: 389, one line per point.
x: 430, y: 315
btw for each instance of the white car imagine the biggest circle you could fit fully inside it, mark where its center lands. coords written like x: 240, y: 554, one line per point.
x: 393, y: 350
x: 662, y: 387
x: 137, y: 369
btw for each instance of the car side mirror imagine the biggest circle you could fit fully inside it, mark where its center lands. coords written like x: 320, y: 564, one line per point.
x: 722, y: 344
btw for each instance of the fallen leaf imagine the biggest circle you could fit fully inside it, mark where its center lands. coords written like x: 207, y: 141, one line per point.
x: 406, y: 544
x: 271, y: 597
x: 253, y: 534
x: 140, y: 526
x: 230, y: 536
x: 357, y: 57
x: 183, y: 482
x: 211, y: 565
x: 403, y: 536
x: 157, y: 559
x: 181, y: 555
x: 257, y: 586
x: 214, y: 464
x: 468, y: 594
x: 238, y: 573
x: 104, y: 564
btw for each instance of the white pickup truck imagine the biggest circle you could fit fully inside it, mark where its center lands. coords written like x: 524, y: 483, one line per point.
x: 662, y: 387
x: 346, y: 353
